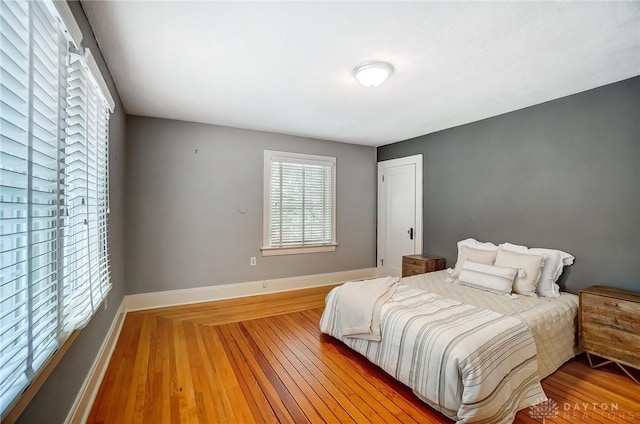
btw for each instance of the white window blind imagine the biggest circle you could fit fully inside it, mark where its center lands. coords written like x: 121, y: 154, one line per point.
x: 48, y: 156
x: 85, y: 260
x: 299, y: 201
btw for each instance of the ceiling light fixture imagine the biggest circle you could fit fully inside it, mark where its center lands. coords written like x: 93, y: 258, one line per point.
x: 372, y: 74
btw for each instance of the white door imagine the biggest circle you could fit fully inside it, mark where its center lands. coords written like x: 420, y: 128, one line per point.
x: 399, y: 212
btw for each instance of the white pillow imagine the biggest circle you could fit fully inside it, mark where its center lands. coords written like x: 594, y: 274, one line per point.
x: 487, y: 277
x: 475, y: 244
x: 529, y: 267
x: 554, y: 262
x: 475, y: 255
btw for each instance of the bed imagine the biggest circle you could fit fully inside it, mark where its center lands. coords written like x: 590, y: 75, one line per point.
x: 486, y: 375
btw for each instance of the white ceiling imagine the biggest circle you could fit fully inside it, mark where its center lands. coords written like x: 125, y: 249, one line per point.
x: 286, y: 67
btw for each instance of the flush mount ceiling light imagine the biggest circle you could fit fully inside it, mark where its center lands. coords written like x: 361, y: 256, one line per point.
x: 372, y: 74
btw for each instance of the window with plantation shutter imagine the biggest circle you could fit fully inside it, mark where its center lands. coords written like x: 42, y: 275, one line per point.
x: 299, y: 203
x: 54, y: 269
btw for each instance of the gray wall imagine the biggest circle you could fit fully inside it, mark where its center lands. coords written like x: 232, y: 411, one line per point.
x: 55, y: 398
x: 183, y: 228
x: 563, y: 174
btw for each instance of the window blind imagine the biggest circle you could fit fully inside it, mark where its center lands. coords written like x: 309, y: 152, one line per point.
x: 85, y: 260
x: 33, y: 85
x: 44, y: 166
x: 301, y: 201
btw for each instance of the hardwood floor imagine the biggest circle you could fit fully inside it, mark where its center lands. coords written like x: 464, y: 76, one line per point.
x: 263, y: 359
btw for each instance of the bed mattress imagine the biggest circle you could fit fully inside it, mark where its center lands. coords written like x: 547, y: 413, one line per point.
x: 552, y: 320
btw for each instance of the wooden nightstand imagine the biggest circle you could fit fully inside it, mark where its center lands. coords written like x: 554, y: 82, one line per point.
x: 420, y: 264
x: 609, y: 321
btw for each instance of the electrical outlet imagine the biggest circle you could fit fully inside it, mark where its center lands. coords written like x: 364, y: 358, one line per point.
x: 252, y: 261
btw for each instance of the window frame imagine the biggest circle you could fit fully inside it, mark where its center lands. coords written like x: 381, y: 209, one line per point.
x: 300, y: 158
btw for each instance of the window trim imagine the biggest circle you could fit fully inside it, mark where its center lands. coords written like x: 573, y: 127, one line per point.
x: 270, y: 156
x: 296, y: 250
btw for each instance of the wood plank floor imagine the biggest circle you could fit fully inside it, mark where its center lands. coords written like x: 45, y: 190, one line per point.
x: 263, y: 359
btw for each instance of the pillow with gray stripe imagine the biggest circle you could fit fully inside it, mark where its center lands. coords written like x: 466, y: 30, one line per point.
x: 491, y: 278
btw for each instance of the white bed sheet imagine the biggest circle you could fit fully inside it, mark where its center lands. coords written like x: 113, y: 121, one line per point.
x: 551, y: 320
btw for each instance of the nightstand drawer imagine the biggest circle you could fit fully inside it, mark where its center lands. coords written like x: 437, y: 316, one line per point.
x: 618, y: 314
x: 410, y: 269
x: 412, y: 260
x: 602, y: 339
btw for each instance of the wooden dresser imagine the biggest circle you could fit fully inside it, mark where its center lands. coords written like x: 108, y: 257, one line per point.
x: 420, y: 264
x: 609, y: 322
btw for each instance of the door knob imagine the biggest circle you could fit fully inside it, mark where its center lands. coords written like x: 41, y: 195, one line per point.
x: 410, y: 233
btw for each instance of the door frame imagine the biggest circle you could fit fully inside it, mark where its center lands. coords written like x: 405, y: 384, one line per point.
x: 391, y: 163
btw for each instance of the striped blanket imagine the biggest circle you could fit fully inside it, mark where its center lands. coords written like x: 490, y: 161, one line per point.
x: 471, y: 364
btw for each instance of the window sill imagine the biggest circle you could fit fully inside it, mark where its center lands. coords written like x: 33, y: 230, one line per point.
x: 21, y: 402
x: 297, y: 250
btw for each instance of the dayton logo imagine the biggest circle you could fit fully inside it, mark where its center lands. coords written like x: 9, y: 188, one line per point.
x: 544, y: 410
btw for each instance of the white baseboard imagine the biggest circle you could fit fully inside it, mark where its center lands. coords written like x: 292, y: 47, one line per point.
x: 81, y: 407
x: 136, y: 302
x: 84, y: 401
